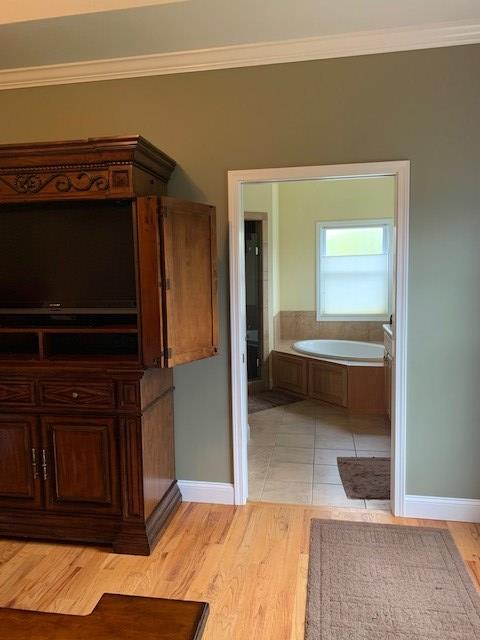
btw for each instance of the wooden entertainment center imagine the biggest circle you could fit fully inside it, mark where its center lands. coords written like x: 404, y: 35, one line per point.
x: 86, y: 394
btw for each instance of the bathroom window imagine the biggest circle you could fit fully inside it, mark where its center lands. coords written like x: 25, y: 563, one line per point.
x: 354, y: 270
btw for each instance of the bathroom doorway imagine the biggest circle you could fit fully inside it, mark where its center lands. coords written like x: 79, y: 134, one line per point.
x: 315, y: 377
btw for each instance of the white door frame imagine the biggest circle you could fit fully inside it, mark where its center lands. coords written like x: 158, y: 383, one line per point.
x: 401, y: 171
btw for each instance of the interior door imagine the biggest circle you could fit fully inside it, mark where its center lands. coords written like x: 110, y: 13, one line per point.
x: 189, y: 274
x: 20, y: 485
x: 81, y: 464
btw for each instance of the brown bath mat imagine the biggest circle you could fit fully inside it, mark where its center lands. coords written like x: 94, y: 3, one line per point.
x: 387, y: 582
x: 365, y: 478
x: 269, y: 399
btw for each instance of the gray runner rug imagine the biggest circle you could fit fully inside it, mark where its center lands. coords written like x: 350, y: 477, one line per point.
x: 388, y: 582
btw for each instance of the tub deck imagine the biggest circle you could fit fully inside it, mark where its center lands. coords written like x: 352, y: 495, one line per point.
x: 358, y: 386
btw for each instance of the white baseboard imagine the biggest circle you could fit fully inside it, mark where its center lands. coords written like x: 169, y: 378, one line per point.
x: 433, y: 508
x: 212, y: 492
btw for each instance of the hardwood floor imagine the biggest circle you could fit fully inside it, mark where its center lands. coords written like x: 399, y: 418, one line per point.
x: 250, y: 563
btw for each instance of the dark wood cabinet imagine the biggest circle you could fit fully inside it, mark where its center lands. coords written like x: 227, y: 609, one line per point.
x: 86, y: 394
x: 69, y: 471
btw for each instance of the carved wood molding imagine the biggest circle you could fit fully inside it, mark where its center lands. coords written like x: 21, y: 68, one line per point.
x: 31, y: 183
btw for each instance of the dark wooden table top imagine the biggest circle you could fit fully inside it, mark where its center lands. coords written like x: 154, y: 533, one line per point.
x: 115, y: 617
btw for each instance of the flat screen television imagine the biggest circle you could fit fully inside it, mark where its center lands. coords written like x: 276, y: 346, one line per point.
x: 68, y: 257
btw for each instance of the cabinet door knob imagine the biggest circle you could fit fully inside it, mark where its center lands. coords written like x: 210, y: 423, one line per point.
x: 75, y: 395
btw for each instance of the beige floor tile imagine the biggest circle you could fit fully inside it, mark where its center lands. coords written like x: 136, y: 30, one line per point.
x: 266, y: 413
x: 366, y: 453
x: 332, y: 429
x: 379, y: 505
x: 264, y: 427
x: 296, y: 428
x: 267, y: 424
x: 329, y: 456
x: 326, y: 474
x: 306, y: 407
x: 257, y: 469
x: 259, y: 452
x: 372, y: 426
x: 298, y: 418
x: 262, y: 438
x: 364, y: 442
x: 290, y: 471
x: 334, y: 495
x: 334, y: 441
x: 295, y: 440
x: 293, y: 454
x: 288, y: 492
x: 316, y: 408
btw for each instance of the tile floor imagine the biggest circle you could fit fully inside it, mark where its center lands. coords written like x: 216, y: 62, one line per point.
x: 293, y: 450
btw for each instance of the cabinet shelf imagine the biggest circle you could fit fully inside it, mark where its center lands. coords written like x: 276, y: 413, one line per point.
x: 89, y: 344
x: 19, y: 345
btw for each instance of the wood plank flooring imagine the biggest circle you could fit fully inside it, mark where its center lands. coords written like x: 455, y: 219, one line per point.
x: 250, y: 563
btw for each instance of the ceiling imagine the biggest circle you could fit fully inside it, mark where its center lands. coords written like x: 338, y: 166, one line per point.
x: 14, y: 11
x: 109, y: 30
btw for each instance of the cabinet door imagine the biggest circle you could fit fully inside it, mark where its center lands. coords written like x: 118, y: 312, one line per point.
x: 81, y: 464
x: 189, y: 265
x: 327, y: 382
x: 19, y: 463
x: 149, y: 281
x: 289, y: 373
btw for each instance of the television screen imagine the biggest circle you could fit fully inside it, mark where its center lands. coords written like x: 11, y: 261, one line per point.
x: 69, y: 255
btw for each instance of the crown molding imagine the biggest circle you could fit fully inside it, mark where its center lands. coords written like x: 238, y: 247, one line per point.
x: 246, y: 55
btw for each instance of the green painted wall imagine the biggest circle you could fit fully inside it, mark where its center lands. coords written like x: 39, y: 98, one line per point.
x: 421, y: 106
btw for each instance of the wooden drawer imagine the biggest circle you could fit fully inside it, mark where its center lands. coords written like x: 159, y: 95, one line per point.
x: 17, y: 393
x: 84, y: 394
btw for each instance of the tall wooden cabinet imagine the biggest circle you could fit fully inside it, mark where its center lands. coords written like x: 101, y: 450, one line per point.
x: 86, y: 396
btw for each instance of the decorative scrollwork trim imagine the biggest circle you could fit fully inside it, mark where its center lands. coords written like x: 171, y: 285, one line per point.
x: 33, y: 183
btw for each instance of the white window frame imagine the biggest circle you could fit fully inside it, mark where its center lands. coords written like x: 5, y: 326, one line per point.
x: 319, y: 249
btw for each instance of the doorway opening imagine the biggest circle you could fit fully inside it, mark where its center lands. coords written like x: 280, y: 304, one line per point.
x: 254, y: 305
x: 337, y: 401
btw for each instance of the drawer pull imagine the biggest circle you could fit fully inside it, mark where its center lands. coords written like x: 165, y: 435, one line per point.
x: 44, y: 464
x: 34, y: 464
x: 75, y: 395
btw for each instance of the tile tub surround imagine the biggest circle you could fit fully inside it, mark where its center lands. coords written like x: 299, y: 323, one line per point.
x: 298, y: 325
x: 293, y: 450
